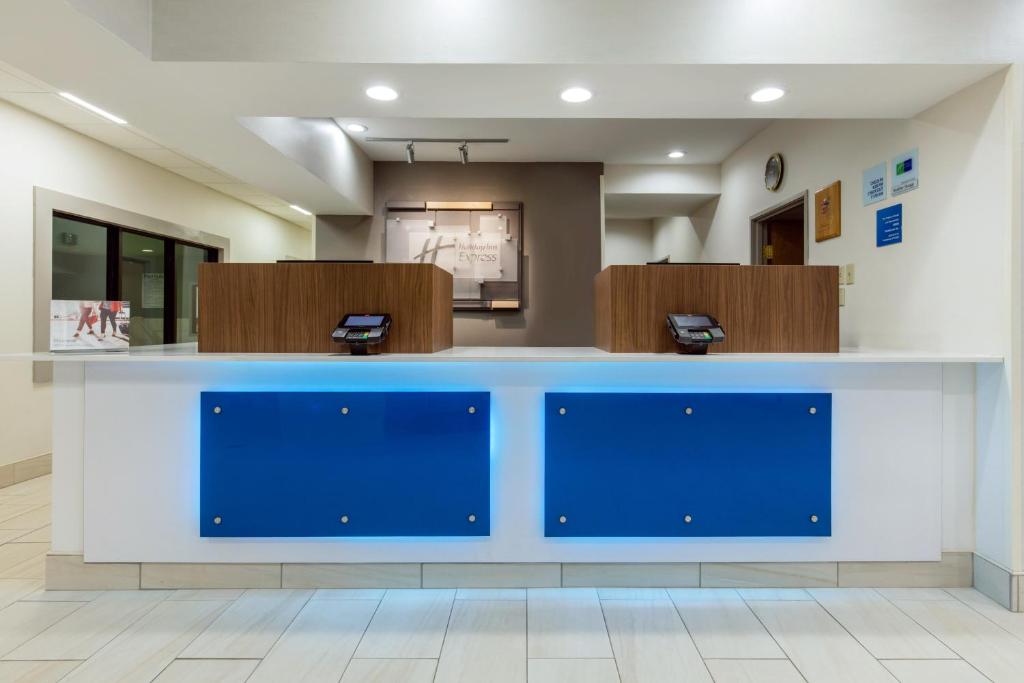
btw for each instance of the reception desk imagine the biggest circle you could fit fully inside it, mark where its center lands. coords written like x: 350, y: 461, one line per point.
x: 549, y: 457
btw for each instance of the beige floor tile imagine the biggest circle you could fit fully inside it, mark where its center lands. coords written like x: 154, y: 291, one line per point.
x: 632, y: 594
x: 207, y: 594
x: 645, y: 575
x: 35, y: 518
x: 23, y: 560
x: 409, y: 624
x: 767, y: 574
x: 16, y: 589
x: 566, y: 623
x: 880, y: 626
x: 23, y: 621
x: 69, y: 572
x: 486, y: 641
x: 490, y: 594
x: 146, y: 647
x: 483, y: 575
x: 390, y: 671
x: 11, y: 510
x: 934, y: 671
x: 983, y: 644
x: 819, y: 647
x: 8, y: 535
x: 754, y: 671
x: 651, y: 643
x: 318, y: 644
x: 44, y: 595
x: 207, y: 671
x: 349, y: 594
x: 722, y: 626
x: 914, y: 594
x: 573, y: 671
x: 41, y: 535
x: 35, y: 672
x: 774, y: 594
x: 83, y: 632
x: 1011, y: 621
x: 392, y: 575
x: 250, y: 626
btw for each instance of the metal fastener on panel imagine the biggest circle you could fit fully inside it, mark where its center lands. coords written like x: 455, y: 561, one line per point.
x: 216, y: 520
x: 813, y: 410
x: 688, y: 411
x: 561, y: 520
x: 471, y: 518
x: 472, y: 409
x: 814, y: 519
x: 561, y: 411
x: 216, y: 410
x: 688, y: 519
x: 344, y: 519
x: 344, y: 411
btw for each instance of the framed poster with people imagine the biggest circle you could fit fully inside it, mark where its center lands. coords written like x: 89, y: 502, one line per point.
x: 89, y: 325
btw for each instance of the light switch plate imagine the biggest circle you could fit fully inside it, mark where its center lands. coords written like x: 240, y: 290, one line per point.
x: 842, y: 296
x: 849, y: 273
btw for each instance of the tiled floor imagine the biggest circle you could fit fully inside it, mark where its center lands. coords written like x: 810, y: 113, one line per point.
x: 548, y: 635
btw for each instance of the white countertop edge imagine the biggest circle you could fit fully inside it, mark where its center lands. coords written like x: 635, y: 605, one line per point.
x: 509, y: 354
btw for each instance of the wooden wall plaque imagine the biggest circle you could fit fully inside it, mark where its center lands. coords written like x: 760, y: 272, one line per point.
x: 763, y: 309
x: 294, y: 307
x: 828, y: 212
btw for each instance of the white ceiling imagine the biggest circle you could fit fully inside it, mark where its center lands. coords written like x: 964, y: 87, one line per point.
x: 615, y: 141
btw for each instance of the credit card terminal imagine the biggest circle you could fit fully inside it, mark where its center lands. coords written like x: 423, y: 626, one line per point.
x: 360, y: 331
x: 694, y: 332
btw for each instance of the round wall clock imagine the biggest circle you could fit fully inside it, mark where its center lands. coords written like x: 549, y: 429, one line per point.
x: 773, y: 172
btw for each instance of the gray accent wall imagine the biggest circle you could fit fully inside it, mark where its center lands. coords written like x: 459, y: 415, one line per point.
x: 561, y: 246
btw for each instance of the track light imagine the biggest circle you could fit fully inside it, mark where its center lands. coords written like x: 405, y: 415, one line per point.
x: 410, y: 153
x: 464, y: 152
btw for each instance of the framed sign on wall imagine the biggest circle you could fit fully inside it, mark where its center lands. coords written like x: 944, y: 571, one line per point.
x: 828, y: 212
x: 480, y: 243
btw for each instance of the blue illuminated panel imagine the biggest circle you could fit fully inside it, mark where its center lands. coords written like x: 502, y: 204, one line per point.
x: 275, y: 464
x: 621, y: 465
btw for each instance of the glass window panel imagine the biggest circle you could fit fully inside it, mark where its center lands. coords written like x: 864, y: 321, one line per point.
x: 186, y: 273
x: 79, y: 260
x: 142, y: 284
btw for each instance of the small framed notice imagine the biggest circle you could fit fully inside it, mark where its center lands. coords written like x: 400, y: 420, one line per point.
x: 828, y: 212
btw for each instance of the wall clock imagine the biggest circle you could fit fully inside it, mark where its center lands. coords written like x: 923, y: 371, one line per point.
x: 773, y: 170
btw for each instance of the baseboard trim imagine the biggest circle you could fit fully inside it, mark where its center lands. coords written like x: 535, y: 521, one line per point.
x: 16, y: 472
x: 70, y: 572
x: 998, y: 583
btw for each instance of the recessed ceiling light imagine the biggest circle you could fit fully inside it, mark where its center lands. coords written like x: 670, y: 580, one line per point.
x: 576, y: 95
x: 356, y: 128
x: 382, y: 92
x: 676, y: 154
x: 767, y: 94
x: 93, y: 108
x: 301, y: 210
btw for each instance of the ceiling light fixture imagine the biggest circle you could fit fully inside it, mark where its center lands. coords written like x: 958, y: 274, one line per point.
x: 93, y: 108
x: 576, y: 95
x: 410, y: 153
x: 676, y: 154
x: 769, y: 94
x: 301, y: 210
x: 464, y: 153
x: 356, y: 128
x: 382, y: 93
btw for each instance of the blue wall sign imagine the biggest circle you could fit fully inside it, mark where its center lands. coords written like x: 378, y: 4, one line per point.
x: 874, y: 184
x: 889, y: 225
x: 904, y: 172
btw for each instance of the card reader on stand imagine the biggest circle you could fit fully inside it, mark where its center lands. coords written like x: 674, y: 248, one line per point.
x: 360, y: 331
x: 694, y: 333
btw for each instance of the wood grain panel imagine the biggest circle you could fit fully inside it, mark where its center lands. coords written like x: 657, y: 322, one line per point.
x: 294, y: 307
x: 763, y: 309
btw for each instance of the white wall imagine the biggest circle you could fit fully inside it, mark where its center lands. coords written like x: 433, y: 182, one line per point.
x: 678, y: 238
x: 39, y: 153
x: 951, y: 273
x: 628, y: 241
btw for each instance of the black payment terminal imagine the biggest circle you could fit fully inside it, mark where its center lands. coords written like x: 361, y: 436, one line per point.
x: 694, y: 332
x: 360, y: 331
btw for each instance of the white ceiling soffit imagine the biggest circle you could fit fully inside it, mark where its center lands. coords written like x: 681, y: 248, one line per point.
x: 615, y: 141
x: 585, y: 31
x: 651, y: 205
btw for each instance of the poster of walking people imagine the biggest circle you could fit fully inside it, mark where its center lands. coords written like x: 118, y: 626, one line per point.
x: 89, y: 325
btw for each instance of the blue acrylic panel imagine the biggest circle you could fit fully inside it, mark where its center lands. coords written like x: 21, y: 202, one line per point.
x: 640, y: 465
x: 314, y: 464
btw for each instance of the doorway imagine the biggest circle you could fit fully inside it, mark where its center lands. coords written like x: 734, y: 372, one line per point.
x: 779, y: 234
